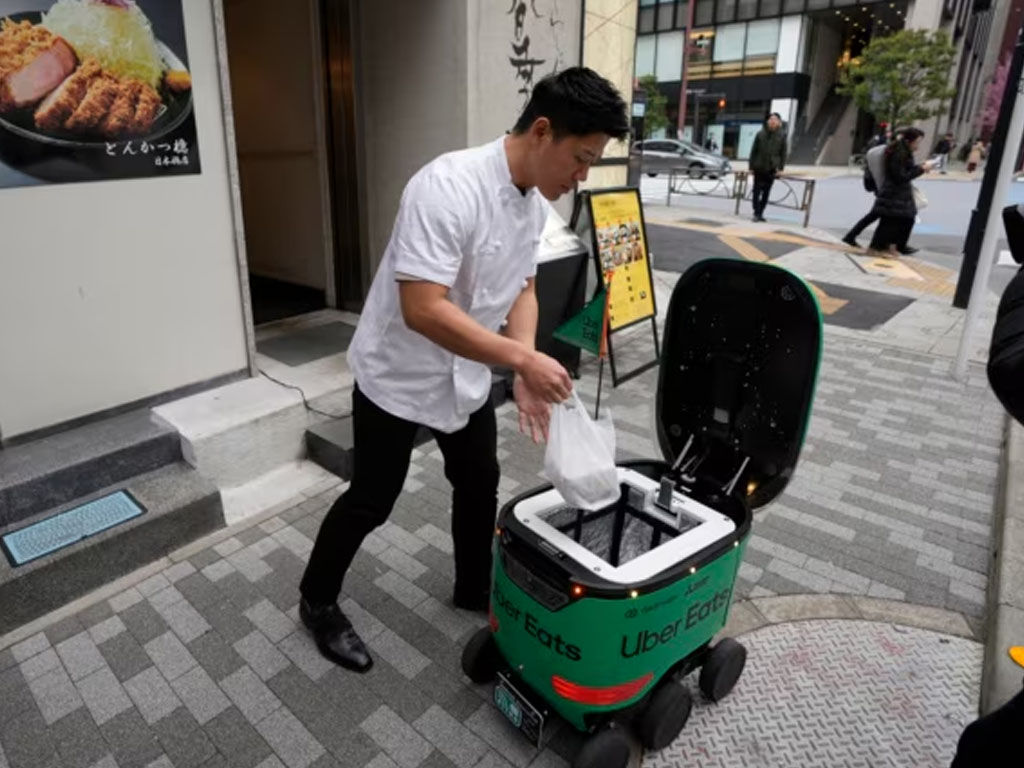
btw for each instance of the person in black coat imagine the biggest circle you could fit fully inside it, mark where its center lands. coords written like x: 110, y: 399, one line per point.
x: 992, y: 740
x: 894, y: 202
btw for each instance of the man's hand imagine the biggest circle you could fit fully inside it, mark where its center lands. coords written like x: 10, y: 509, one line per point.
x: 545, y: 377
x: 534, y: 411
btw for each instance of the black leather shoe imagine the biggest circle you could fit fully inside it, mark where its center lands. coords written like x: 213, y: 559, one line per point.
x: 909, y: 250
x: 334, y: 636
x: 477, y: 601
x: 851, y: 241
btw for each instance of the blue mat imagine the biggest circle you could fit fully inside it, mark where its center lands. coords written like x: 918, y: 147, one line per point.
x: 40, y: 539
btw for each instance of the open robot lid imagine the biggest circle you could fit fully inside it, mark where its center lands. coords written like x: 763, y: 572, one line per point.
x: 738, y: 372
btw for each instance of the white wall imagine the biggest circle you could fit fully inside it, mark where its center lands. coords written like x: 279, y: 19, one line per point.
x: 280, y: 153
x: 494, y: 99
x: 115, y: 291
x: 412, y: 92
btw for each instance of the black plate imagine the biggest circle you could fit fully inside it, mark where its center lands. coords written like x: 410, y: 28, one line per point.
x: 173, y: 112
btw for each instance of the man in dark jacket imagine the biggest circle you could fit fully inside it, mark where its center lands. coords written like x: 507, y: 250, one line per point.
x: 767, y: 160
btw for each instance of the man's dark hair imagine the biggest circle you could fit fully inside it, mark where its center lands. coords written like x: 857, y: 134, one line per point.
x: 577, y: 101
x: 773, y: 114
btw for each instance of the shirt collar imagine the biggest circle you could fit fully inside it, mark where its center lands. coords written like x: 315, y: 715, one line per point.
x: 507, y: 190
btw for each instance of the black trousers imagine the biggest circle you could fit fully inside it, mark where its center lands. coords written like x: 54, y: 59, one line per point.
x: 891, y: 231
x: 762, y: 188
x: 382, y: 448
x: 992, y: 740
x: 863, y: 224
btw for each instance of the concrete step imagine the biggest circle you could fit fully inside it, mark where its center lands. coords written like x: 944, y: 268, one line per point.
x: 180, y: 506
x: 330, y: 443
x: 52, y: 471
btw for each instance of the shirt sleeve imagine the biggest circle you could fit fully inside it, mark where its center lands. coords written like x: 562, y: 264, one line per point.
x: 428, y: 235
x: 540, y: 220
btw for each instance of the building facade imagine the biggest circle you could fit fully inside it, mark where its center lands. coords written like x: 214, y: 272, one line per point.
x: 743, y: 59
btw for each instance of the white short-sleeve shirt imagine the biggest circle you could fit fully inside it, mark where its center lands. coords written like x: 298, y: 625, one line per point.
x: 461, y: 223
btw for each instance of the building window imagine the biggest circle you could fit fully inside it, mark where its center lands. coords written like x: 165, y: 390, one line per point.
x: 728, y: 58
x: 668, y: 65
x: 729, y: 42
x: 646, y: 21
x: 746, y: 9
x: 793, y: 6
x: 762, y: 45
x: 725, y: 10
x: 771, y: 7
x: 682, y: 10
x: 702, y: 41
x: 645, y: 55
x: 666, y: 11
x: 704, y: 13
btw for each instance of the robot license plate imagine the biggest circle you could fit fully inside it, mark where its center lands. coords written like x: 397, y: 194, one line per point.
x: 519, y: 711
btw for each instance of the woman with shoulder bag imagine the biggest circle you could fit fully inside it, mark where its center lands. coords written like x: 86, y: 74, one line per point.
x: 895, y: 203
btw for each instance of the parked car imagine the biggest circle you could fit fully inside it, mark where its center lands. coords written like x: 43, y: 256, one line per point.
x: 664, y: 155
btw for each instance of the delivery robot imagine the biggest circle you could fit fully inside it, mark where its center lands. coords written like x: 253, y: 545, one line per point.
x: 597, y: 616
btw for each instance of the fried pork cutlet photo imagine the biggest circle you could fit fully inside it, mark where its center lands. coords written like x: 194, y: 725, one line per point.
x: 33, y: 61
x: 94, y: 101
x: 91, y: 69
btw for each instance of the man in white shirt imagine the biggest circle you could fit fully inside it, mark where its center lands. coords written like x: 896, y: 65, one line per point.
x: 454, y: 294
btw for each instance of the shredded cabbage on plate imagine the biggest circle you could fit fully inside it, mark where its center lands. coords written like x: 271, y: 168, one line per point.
x: 121, y: 38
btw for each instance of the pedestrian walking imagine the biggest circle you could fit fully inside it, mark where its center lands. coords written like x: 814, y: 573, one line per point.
x: 460, y: 265
x: 943, y: 148
x: 894, y: 202
x: 975, y: 156
x: 874, y: 180
x: 767, y: 161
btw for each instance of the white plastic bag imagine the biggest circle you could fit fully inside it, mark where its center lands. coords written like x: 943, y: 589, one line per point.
x: 580, y: 456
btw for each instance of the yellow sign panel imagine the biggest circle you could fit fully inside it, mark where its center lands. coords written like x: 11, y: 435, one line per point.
x: 621, y: 247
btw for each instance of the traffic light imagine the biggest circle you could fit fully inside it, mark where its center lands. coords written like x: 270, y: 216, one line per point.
x: 721, y: 103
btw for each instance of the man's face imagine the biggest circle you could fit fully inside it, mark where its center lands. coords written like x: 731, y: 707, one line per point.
x: 774, y: 123
x: 559, y: 164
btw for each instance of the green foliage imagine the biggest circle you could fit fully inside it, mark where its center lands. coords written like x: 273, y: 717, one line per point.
x: 654, y: 117
x: 902, y: 77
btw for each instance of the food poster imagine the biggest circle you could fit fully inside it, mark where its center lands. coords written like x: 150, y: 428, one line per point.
x: 621, y: 248
x: 93, y: 90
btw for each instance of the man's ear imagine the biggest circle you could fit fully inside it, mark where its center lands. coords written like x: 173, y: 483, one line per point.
x: 540, y: 128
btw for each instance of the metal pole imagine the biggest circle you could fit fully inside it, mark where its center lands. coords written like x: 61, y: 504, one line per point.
x: 681, y: 122
x: 976, y: 230
x: 1004, y: 175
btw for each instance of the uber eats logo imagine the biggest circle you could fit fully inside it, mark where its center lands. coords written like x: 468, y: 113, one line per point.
x: 504, y: 606
x: 647, y: 640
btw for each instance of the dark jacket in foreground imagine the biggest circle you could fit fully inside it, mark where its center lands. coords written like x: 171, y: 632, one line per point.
x: 896, y: 197
x: 769, y: 151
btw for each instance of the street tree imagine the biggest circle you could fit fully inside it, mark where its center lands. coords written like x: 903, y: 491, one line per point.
x: 655, y: 118
x: 901, y: 77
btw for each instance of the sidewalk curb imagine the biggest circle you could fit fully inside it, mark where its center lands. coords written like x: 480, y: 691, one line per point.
x: 1001, y: 677
x: 757, y: 613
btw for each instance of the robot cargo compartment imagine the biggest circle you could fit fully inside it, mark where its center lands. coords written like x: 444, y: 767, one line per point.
x: 631, y: 540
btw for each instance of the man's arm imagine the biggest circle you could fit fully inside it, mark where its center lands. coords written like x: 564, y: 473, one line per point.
x: 522, y: 318
x: 427, y: 310
x: 534, y: 411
